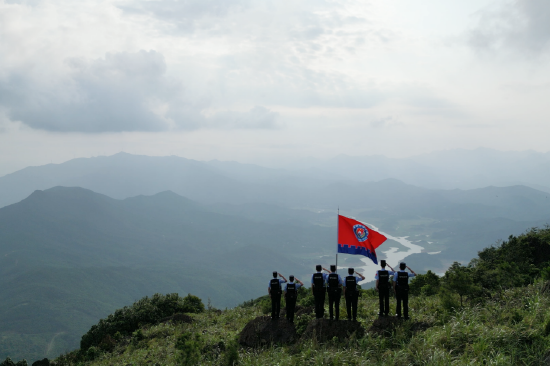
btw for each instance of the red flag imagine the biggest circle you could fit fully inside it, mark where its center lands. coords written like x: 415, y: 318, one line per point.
x: 356, y: 238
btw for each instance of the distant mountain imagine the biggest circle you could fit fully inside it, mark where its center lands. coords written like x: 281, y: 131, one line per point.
x: 450, y: 169
x: 69, y: 256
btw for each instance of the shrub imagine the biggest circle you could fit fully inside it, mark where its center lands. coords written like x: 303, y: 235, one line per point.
x: 189, y: 347
x: 148, y: 310
x: 231, y: 355
x: 425, y: 284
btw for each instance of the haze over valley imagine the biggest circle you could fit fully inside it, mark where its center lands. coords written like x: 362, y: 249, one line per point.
x: 91, y: 235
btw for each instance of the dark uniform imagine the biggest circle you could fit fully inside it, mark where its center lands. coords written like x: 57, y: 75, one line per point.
x: 276, y: 291
x: 383, y: 277
x: 352, y: 297
x: 402, y: 293
x: 334, y: 294
x: 291, y: 294
x: 319, y: 291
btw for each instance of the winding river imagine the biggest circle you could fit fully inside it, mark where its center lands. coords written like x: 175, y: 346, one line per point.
x: 392, y: 255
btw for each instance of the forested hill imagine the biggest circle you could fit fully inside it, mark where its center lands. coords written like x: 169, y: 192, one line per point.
x: 496, y: 310
x: 70, y: 256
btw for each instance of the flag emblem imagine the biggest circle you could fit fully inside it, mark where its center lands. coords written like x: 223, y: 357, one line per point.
x: 361, y: 232
x: 354, y: 237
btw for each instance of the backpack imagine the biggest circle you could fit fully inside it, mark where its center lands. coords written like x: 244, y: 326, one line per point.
x: 351, y: 286
x: 403, y: 280
x: 275, y: 287
x: 318, y: 281
x: 333, y: 283
x: 383, y: 279
x: 291, y: 292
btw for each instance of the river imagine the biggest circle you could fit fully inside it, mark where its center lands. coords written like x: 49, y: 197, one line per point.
x: 392, y: 255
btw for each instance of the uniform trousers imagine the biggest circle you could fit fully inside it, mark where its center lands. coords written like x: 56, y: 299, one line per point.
x: 384, y: 298
x: 290, y: 308
x: 275, y: 306
x: 402, y: 295
x: 334, y: 301
x: 319, y: 296
x: 351, y: 305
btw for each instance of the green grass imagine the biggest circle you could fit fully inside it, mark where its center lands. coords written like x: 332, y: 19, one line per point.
x: 508, y: 329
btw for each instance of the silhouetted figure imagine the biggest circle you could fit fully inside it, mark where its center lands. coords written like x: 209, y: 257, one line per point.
x: 291, y: 294
x: 383, y: 287
x: 275, y: 290
x: 334, y: 289
x: 351, y: 292
x: 401, y: 287
x: 318, y: 287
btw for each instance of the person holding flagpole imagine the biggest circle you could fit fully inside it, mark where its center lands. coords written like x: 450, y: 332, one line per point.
x: 334, y: 289
x: 318, y: 288
x: 351, y: 293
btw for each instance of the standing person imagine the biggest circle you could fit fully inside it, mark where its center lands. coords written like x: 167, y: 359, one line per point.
x: 275, y: 291
x: 334, y: 290
x: 401, y: 287
x: 291, y: 294
x: 382, y: 278
x: 352, y: 293
x: 318, y: 288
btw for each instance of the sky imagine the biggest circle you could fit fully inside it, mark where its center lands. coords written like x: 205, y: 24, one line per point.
x: 267, y: 81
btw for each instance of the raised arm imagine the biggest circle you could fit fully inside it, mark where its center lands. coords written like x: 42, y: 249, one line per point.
x: 300, y: 282
x: 324, y: 269
x: 390, y: 267
x: 411, y: 270
x: 360, y: 275
x: 283, y: 277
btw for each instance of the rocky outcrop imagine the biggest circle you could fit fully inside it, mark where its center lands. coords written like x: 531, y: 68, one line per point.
x: 264, y: 331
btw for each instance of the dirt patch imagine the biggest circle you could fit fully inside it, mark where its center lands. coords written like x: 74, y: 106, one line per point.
x: 263, y: 331
x: 325, y: 330
x: 386, y: 325
x: 177, y: 318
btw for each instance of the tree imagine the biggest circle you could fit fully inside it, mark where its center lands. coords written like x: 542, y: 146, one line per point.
x: 426, y: 284
x: 458, y: 279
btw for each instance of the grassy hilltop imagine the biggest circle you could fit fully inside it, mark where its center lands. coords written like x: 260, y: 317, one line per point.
x: 495, y: 311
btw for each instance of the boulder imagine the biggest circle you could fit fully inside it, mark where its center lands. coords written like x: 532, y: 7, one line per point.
x: 325, y: 330
x: 264, y: 331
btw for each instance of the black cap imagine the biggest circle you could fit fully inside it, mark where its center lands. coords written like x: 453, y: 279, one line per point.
x: 383, y: 262
x: 402, y: 265
x: 318, y: 267
x: 333, y: 268
x: 275, y: 274
x: 351, y: 270
x: 291, y: 278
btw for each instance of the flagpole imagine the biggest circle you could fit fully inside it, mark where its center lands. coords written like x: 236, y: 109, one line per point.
x: 337, y: 234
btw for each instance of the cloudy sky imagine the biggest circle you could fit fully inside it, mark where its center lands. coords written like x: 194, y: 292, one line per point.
x: 265, y: 81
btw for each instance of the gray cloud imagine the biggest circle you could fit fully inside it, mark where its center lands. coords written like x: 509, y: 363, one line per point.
x: 121, y: 92
x: 521, y: 25
x: 105, y: 95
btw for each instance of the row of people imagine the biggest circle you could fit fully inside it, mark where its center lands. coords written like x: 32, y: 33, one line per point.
x: 334, y: 285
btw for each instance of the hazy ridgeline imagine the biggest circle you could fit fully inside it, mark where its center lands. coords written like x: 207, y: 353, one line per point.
x: 69, y: 256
